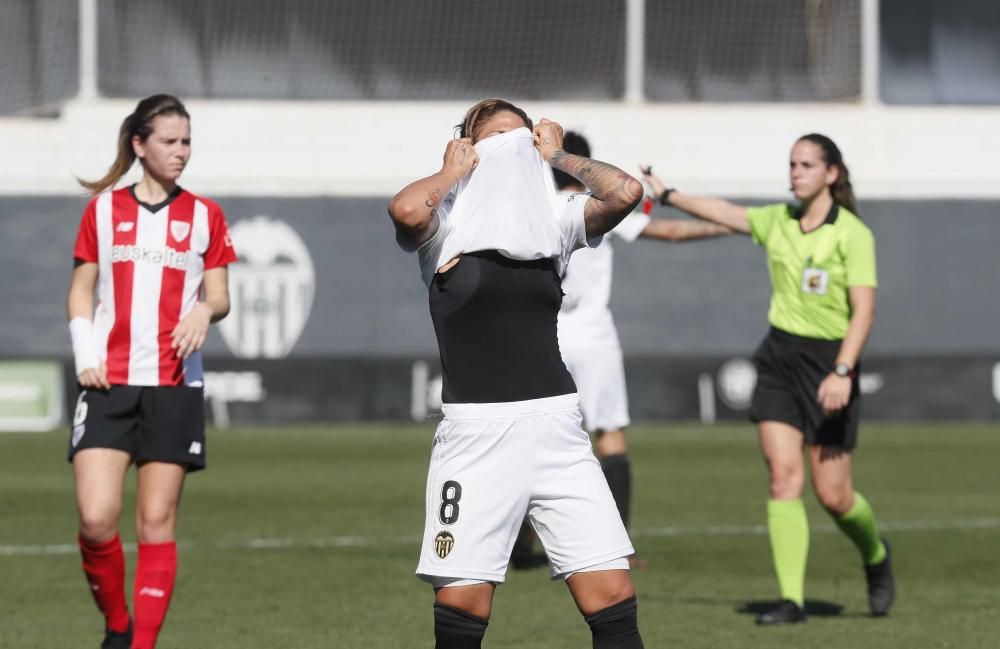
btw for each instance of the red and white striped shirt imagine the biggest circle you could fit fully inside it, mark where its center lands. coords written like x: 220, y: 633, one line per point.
x: 151, y: 260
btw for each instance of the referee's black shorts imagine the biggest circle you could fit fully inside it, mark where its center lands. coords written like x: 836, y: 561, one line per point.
x: 790, y: 369
x: 150, y: 423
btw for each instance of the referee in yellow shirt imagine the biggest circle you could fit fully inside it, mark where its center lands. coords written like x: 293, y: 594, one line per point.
x: 821, y: 259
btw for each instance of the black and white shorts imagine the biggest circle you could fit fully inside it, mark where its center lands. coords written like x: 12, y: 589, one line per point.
x: 150, y: 423
x: 790, y: 369
x: 493, y: 463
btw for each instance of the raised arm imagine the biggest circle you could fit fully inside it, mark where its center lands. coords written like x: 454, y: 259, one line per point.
x: 614, y: 193
x: 414, y: 209
x: 682, y: 230
x: 716, y: 210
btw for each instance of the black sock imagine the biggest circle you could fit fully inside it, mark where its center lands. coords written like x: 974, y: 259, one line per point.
x: 457, y: 629
x: 618, y: 471
x: 616, y: 627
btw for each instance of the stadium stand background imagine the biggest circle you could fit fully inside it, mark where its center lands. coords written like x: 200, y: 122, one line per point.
x: 308, y: 115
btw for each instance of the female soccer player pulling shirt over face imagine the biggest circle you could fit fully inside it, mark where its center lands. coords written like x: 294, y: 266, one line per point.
x: 157, y: 256
x: 493, y: 240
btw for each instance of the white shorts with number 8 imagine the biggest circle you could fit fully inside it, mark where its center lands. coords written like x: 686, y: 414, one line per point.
x: 493, y: 463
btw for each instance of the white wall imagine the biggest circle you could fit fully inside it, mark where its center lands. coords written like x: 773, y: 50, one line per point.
x: 255, y: 148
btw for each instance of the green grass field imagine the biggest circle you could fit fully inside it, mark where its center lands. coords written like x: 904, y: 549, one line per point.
x: 308, y: 537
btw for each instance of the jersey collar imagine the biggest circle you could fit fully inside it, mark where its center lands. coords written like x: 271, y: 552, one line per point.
x: 831, y: 216
x: 159, y: 206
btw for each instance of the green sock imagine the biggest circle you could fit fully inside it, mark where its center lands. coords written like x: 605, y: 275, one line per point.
x: 859, y: 525
x: 789, y: 531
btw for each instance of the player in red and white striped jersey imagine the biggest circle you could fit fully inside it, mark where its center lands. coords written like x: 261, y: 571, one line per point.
x: 156, y: 255
x: 151, y: 260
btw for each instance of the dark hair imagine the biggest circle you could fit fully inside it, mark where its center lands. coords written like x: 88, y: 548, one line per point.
x: 841, y: 190
x: 576, y: 144
x: 484, y: 110
x: 139, y: 123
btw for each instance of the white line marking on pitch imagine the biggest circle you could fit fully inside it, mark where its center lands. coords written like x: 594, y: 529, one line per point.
x: 370, y: 541
x: 825, y: 528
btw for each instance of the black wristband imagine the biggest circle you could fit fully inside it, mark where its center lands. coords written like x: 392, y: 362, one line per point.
x: 665, y: 196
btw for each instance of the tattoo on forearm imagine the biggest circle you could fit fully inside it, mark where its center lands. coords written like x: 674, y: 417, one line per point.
x: 599, y: 177
x: 432, y: 199
x: 614, y: 191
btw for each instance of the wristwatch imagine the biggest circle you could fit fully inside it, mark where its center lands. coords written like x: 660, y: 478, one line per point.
x: 665, y: 196
x: 844, y: 370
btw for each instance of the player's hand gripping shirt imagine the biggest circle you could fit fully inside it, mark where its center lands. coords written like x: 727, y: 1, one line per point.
x: 508, y: 204
x: 151, y: 260
x: 494, y: 310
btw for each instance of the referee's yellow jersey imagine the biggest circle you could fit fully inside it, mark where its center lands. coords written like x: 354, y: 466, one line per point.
x: 811, y: 272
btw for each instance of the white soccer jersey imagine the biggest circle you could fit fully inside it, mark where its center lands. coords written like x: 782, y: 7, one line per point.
x: 508, y: 204
x: 151, y: 260
x: 585, y: 318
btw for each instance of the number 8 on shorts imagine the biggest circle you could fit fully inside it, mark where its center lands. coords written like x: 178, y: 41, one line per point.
x: 451, y: 493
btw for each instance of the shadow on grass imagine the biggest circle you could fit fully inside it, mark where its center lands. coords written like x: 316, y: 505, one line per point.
x: 814, y: 608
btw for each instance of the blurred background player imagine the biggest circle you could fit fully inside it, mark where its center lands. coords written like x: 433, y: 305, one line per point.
x: 821, y: 259
x: 588, y: 341
x: 493, y: 242
x: 149, y: 249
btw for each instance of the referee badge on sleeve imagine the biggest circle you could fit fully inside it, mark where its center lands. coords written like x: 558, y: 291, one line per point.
x: 814, y: 280
x: 443, y: 543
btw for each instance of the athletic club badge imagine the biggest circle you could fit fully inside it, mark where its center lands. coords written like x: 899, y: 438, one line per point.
x: 179, y: 230
x: 443, y: 544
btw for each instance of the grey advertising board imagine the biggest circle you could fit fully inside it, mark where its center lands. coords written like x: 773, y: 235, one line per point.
x: 323, y: 277
x: 707, y: 389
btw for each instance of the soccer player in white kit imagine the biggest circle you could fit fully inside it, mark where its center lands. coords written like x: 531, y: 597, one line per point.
x: 493, y: 240
x: 156, y: 255
x: 589, y: 342
x: 588, y: 338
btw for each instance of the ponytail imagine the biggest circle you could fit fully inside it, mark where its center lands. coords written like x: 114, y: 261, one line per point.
x: 139, y: 123
x: 841, y: 189
x: 121, y: 165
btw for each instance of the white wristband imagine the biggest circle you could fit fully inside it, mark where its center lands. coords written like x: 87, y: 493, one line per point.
x: 81, y: 332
